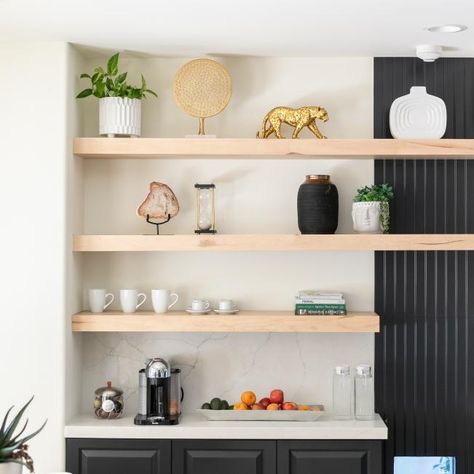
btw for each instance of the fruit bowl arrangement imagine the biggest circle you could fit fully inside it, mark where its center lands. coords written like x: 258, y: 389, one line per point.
x: 271, y: 408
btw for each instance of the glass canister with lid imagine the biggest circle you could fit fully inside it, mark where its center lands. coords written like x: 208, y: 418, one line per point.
x: 108, y: 403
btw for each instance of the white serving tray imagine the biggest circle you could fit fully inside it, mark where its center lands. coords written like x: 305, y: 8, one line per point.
x: 262, y: 415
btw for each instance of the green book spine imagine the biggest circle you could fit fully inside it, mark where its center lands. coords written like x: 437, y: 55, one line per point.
x: 320, y: 306
x: 320, y: 312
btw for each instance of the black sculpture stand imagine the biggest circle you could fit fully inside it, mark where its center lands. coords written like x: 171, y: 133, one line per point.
x: 157, y: 223
x: 211, y: 231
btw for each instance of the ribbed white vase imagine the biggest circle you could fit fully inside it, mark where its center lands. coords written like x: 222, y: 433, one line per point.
x: 10, y: 468
x: 120, y: 116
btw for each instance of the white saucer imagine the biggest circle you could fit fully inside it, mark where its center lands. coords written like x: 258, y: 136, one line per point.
x: 197, y: 311
x: 226, y: 311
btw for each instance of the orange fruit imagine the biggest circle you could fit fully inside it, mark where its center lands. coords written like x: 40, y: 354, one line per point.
x: 273, y: 406
x: 248, y: 398
x: 303, y: 407
x: 240, y: 406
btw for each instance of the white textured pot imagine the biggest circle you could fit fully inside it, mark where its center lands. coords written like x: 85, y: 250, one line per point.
x: 10, y: 468
x: 366, y: 217
x: 120, y: 116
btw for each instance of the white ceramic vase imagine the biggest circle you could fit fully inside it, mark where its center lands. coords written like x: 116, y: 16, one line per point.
x: 418, y: 115
x: 366, y: 217
x: 120, y: 116
x: 10, y: 468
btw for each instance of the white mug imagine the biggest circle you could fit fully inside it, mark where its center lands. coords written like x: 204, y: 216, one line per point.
x: 98, y: 300
x: 200, y: 304
x: 227, y: 305
x: 129, y: 300
x: 161, y: 300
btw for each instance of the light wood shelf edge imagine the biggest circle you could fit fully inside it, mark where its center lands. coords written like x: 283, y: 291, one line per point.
x: 272, y: 242
x: 244, y: 322
x: 90, y: 147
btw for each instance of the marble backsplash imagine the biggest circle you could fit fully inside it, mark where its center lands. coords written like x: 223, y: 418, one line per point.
x: 224, y: 365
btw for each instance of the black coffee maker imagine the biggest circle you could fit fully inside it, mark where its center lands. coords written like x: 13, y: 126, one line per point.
x: 156, y: 404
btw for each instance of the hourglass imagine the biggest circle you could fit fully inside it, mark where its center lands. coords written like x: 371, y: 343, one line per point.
x: 205, y: 209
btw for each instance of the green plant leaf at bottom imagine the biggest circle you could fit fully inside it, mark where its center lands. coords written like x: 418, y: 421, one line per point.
x: 84, y: 93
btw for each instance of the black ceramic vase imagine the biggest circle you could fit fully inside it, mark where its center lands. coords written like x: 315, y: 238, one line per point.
x: 318, y: 205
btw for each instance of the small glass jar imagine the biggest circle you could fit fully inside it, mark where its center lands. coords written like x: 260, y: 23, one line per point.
x: 108, y: 403
x: 205, y: 209
x: 364, y: 393
x: 343, y: 393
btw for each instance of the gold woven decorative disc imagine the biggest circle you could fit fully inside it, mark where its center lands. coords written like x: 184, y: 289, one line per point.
x: 202, y: 88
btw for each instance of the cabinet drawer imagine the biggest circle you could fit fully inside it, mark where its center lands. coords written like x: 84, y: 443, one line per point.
x: 329, y: 457
x: 118, y: 456
x: 224, y: 457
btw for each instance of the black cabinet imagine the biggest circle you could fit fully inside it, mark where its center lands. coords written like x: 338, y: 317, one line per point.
x: 224, y: 457
x: 209, y: 456
x: 118, y: 456
x: 329, y: 457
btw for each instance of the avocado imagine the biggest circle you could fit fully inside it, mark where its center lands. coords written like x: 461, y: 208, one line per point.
x: 215, y: 403
x: 206, y: 406
x: 224, y: 405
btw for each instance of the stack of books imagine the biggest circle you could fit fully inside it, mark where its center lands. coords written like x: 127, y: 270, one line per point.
x: 320, y: 303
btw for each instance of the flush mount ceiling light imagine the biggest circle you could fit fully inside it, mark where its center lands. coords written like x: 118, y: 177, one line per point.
x: 447, y: 28
x: 429, y: 52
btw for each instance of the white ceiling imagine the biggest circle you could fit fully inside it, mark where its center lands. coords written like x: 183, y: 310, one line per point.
x: 243, y: 27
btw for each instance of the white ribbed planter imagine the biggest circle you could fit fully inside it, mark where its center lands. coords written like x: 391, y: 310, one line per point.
x: 120, y: 116
x: 10, y: 468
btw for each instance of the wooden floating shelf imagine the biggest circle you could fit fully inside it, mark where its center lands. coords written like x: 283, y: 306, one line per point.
x: 245, y: 321
x: 271, y: 242
x: 271, y: 148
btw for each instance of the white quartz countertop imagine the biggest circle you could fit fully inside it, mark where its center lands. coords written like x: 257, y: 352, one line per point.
x: 193, y: 426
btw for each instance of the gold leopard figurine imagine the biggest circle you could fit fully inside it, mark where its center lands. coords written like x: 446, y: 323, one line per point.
x: 298, y: 118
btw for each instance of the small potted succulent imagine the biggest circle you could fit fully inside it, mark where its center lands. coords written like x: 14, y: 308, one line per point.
x: 13, y: 449
x: 119, y: 102
x: 370, y: 209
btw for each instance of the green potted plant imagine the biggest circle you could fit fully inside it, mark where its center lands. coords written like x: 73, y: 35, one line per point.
x: 371, y: 210
x: 119, y: 102
x: 13, y: 449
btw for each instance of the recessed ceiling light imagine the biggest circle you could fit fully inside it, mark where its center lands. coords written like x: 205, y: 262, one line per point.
x: 447, y: 28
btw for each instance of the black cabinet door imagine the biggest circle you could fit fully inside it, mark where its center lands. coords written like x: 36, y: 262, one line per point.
x: 224, y: 457
x: 118, y: 456
x: 329, y: 457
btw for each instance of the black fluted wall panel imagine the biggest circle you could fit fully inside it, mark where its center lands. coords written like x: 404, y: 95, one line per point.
x: 424, y: 354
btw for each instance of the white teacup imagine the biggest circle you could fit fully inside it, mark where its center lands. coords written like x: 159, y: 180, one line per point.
x: 161, y: 300
x: 227, y: 305
x: 129, y: 300
x: 98, y: 300
x: 199, y: 304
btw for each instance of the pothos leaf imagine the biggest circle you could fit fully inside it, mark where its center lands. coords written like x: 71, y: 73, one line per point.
x: 112, y: 64
x: 149, y: 91
x: 84, y: 93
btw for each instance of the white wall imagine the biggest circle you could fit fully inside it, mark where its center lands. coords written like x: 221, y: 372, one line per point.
x: 74, y: 224
x: 252, y: 196
x: 32, y: 252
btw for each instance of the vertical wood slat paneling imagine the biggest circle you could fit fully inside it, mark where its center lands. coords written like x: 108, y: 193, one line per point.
x: 424, y: 354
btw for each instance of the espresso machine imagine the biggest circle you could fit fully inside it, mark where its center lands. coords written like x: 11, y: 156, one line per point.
x: 159, y: 394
